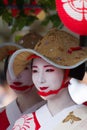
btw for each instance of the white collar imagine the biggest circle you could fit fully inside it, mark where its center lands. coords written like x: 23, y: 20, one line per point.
x: 45, y: 118
x: 13, y: 112
x: 43, y: 115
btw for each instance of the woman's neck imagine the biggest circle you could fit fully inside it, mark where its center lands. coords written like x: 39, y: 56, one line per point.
x: 27, y: 100
x: 59, y: 102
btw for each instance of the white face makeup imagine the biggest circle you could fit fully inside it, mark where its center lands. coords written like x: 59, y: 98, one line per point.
x: 22, y: 81
x: 46, y: 77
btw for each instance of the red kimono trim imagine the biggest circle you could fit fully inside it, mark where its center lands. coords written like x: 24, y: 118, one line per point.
x: 4, y: 123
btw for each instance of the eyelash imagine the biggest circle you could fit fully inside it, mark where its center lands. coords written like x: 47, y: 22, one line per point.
x: 34, y: 71
x: 47, y: 70
x: 26, y: 68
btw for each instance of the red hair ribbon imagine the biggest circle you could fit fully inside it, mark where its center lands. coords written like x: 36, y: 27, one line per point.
x: 11, y: 52
x: 66, y: 74
x: 74, y: 49
x: 32, y: 57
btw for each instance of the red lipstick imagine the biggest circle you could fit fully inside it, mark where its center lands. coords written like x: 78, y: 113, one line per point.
x: 43, y: 88
x: 17, y: 83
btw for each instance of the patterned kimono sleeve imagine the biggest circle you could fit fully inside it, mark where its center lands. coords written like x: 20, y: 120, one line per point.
x: 27, y: 122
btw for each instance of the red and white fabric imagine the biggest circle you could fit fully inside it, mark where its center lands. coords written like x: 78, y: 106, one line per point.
x: 12, y: 112
x: 43, y: 120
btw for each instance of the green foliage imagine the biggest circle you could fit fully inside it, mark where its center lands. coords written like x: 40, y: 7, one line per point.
x: 22, y: 19
x: 47, y: 4
x: 6, y: 16
x: 53, y: 18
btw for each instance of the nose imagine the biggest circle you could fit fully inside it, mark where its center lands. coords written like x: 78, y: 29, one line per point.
x: 18, y: 76
x: 41, y: 78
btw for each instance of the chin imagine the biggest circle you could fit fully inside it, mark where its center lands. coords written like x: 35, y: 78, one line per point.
x: 23, y: 92
x: 49, y: 97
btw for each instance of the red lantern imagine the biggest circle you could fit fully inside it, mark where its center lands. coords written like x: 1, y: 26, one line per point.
x: 73, y: 14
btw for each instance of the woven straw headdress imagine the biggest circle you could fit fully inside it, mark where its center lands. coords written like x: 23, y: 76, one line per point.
x: 58, y: 48
x: 27, y: 41
x: 7, y: 49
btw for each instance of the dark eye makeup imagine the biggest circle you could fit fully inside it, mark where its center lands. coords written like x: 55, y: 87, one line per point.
x: 49, y: 70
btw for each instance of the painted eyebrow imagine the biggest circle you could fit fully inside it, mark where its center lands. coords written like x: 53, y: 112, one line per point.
x: 34, y: 67
x: 44, y: 66
x: 48, y: 66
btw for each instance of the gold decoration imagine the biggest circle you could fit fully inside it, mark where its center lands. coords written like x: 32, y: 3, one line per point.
x: 72, y: 118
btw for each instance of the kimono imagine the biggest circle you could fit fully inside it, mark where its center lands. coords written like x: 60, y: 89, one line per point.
x: 76, y: 120
x: 71, y: 118
x: 11, y: 113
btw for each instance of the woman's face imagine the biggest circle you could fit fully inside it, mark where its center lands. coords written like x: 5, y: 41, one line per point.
x: 46, y: 78
x: 22, y: 82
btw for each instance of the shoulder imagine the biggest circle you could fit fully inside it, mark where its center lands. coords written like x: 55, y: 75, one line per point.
x: 26, y: 121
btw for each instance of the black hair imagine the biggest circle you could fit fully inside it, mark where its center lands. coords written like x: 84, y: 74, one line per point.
x: 3, y: 80
x: 83, y: 43
x: 78, y: 72
x: 6, y: 65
